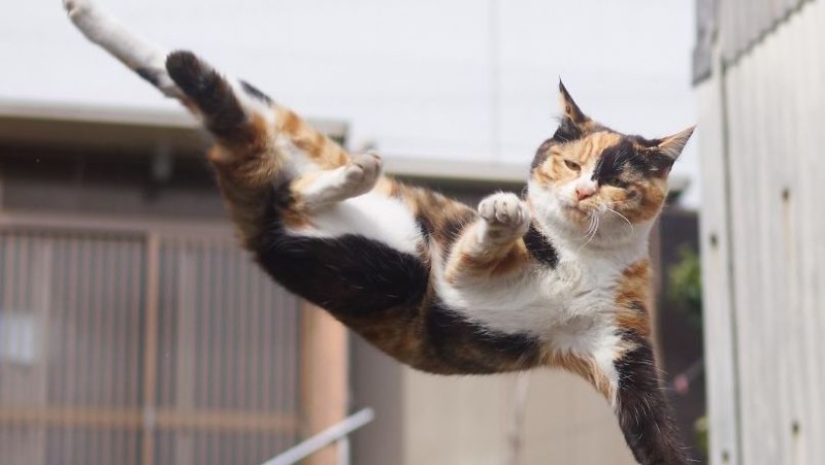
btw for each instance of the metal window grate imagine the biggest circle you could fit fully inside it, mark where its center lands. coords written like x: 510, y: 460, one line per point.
x: 141, y: 348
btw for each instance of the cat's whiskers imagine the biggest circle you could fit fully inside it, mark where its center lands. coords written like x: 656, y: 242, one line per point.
x: 592, y: 230
x: 591, y: 225
x: 611, y: 210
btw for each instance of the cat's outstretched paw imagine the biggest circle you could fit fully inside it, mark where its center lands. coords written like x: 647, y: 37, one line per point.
x: 361, y: 174
x: 505, y: 216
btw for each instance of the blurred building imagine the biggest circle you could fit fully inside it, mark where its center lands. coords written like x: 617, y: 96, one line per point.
x: 132, y: 327
x: 134, y: 330
x: 759, y: 74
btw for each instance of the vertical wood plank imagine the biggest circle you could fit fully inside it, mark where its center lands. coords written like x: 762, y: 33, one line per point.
x: 42, y: 299
x: 186, y: 338
x: 150, y: 355
x: 717, y: 255
x: 324, y: 367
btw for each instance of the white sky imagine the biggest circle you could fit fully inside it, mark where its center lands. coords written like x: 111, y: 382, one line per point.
x: 414, y: 77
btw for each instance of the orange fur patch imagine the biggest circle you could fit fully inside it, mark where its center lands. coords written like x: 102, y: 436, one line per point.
x: 465, y: 261
x: 653, y: 193
x: 585, y: 367
x: 295, y: 218
x: 246, y: 167
x: 633, y: 299
x: 317, y: 146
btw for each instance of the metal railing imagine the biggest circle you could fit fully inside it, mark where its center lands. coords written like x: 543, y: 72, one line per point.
x: 338, y: 433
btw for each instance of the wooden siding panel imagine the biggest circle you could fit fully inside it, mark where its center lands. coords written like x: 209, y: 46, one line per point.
x: 774, y: 108
x: 744, y: 22
x: 719, y: 320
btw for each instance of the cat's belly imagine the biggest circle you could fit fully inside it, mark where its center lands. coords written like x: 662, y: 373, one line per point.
x: 373, y: 216
x: 544, y: 303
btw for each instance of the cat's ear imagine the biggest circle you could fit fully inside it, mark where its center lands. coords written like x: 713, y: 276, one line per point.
x: 663, y: 152
x: 574, y: 123
x: 210, y: 95
x: 673, y: 145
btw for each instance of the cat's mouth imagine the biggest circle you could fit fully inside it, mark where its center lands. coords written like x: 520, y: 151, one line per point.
x: 585, y: 208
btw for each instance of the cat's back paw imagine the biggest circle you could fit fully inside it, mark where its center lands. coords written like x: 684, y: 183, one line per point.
x: 361, y: 174
x: 74, y: 7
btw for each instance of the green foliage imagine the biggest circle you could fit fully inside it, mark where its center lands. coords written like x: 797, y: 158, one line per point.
x: 700, y: 429
x: 686, y: 283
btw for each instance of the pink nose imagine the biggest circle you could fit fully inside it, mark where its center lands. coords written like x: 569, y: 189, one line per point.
x: 584, y: 192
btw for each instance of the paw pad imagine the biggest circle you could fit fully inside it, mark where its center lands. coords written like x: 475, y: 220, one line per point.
x: 505, y: 212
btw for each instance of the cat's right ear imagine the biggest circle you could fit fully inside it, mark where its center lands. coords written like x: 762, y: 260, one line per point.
x: 574, y: 123
x: 210, y: 95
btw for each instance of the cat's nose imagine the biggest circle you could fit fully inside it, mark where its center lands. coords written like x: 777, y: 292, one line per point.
x: 583, y: 192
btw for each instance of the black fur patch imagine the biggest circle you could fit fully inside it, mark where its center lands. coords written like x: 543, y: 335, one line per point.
x: 213, y: 95
x: 148, y: 75
x: 351, y: 276
x: 474, y: 349
x: 638, y: 306
x: 643, y: 411
x: 255, y: 92
x: 540, y: 247
x: 625, y: 157
x: 426, y: 226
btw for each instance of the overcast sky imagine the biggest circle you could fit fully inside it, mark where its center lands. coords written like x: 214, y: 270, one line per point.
x: 417, y: 78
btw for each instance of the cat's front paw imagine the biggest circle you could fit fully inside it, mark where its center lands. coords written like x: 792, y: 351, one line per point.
x: 505, y: 216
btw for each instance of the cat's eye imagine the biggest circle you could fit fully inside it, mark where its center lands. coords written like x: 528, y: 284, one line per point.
x: 616, y: 182
x: 572, y: 165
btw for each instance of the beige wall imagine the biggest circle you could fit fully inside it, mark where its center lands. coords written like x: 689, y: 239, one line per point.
x: 437, y: 420
x: 458, y: 421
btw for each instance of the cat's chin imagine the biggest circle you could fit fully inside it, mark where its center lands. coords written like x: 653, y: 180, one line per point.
x: 578, y: 215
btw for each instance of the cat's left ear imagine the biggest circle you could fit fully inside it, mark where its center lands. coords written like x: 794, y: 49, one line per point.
x: 665, y: 151
x: 672, y: 146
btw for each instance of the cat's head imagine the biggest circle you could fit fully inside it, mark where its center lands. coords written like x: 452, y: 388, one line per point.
x: 587, y: 174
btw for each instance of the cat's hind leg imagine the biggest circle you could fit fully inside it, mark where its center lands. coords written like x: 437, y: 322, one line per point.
x: 620, y: 364
x: 643, y: 411
x: 319, y: 189
x: 232, y: 101
x: 493, y: 245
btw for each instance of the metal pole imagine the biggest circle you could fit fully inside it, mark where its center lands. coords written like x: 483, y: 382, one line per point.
x: 324, y: 438
x: 343, y: 451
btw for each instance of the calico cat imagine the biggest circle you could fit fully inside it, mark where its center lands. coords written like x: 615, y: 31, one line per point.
x: 559, y: 278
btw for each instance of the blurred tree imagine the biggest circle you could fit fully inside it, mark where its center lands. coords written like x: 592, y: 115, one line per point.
x: 686, y: 283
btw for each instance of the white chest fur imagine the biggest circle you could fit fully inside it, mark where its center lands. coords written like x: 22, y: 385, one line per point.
x: 577, y: 296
